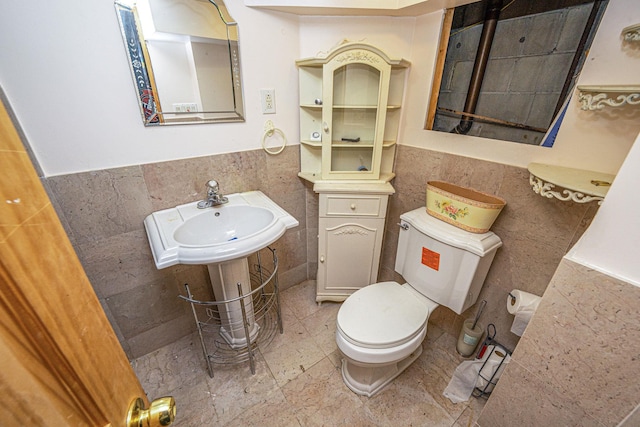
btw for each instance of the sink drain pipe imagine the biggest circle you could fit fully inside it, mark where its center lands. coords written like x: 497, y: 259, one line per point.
x: 491, y: 16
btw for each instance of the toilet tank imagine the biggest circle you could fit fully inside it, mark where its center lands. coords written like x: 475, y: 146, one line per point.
x: 444, y: 263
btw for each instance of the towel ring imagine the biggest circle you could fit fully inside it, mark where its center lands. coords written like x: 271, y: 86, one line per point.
x: 269, y: 130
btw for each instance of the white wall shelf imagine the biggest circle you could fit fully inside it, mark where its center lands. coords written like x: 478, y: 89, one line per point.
x: 595, y: 98
x: 580, y: 186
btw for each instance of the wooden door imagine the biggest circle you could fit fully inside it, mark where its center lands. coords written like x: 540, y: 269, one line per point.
x: 61, y: 363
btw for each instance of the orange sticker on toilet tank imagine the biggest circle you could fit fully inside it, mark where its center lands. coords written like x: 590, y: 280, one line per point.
x: 431, y: 259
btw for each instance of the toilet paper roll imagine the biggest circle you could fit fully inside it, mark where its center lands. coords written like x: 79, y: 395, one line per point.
x: 522, y: 305
x: 523, y: 300
x: 495, y: 360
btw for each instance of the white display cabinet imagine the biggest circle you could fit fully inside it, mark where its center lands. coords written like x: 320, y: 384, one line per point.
x: 350, y: 111
x: 350, y: 105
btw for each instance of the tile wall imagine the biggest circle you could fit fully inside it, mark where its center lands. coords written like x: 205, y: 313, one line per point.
x: 577, y: 363
x: 103, y: 213
x: 536, y: 232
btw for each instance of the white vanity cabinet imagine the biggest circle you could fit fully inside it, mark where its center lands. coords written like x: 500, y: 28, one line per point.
x: 349, y: 113
x: 350, y: 233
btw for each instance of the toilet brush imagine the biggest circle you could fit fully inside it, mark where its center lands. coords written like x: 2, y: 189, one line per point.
x: 483, y: 303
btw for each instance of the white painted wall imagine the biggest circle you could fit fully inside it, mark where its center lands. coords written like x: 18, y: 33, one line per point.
x: 587, y: 140
x: 68, y: 81
x: 65, y: 73
x: 611, y: 243
x: 64, y: 70
x: 320, y: 34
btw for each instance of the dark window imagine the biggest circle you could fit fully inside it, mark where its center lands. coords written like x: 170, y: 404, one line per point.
x: 533, y: 60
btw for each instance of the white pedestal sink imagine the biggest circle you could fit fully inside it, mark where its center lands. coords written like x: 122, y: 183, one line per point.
x: 225, y: 277
x: 221, y: 237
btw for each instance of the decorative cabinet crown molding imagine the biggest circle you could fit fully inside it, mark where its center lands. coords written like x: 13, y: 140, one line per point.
x: 357, y: 56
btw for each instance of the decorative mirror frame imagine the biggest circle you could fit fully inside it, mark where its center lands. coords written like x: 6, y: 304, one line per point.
x: 142, y: 73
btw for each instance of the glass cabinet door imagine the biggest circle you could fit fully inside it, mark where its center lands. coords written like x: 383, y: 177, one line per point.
x: 355, y: 96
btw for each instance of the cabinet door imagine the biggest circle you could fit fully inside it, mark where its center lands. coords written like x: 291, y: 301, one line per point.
x: 348, y: 255
x: 355, y: 92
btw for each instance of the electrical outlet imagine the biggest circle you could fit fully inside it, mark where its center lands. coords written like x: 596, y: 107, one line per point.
x: 268, y: 100
x: 188, y: 107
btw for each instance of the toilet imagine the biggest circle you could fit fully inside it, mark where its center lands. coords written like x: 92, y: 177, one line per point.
x: 380, y: 328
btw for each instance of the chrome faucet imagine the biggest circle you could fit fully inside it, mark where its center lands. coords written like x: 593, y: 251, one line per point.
x: 214, y: 198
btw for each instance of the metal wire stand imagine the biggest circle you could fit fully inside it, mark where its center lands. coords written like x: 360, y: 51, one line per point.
x: 260, y: 318
x: 488, y: 378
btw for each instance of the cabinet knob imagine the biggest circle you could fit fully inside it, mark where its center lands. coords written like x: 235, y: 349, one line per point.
x: 353, y: 206
x: 321, y: 258
x: 325, y: 127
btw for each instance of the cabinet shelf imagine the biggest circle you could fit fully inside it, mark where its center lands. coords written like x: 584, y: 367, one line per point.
x: 348, y: 107
x: 355, y: 107
x: 580, y: 186
x: 338, y: 144
x: 315, y: 144
x: 361, y: 144
x: 353, y: 184
x: 346, y: 144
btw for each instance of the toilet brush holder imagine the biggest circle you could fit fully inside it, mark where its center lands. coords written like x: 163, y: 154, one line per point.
x: 470, y: 336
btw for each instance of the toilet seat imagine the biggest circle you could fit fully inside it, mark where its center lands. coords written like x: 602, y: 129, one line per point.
x: 381, y: 316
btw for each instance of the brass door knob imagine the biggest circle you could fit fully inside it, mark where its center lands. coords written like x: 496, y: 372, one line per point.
x: 161, y: 412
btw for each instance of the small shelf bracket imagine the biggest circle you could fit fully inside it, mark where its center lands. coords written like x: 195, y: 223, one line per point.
x: 595, y: 98
x: 546, y: 189
x: 631, y: 33
x: 578, y: 185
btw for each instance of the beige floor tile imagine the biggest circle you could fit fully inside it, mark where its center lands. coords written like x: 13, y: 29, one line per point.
x: 273, y: 411
x: 405, y: 402
x: 298, y: 379
x: 235, y: 390
x: 194, y: 405
x: 321, y: 398
x: 173, y: 366
x: 291, y: 359
x: 301, y: 299
x: 322, y: 326
x: 471, y: 413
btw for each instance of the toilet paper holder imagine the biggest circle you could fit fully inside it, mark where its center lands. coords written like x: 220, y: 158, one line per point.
x: 491, y: 370
x: 513, y: 298
x: 493, y: 363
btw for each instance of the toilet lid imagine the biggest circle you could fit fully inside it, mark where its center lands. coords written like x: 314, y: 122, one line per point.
x: 382, y: 315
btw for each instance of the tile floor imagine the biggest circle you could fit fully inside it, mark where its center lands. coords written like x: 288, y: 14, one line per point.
x: 298, y: 380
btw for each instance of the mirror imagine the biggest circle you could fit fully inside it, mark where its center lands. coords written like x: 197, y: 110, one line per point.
x: 506, y: 70
x: 185, y: 61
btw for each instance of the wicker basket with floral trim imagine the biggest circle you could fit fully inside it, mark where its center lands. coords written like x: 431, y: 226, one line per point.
x: 463, y: 207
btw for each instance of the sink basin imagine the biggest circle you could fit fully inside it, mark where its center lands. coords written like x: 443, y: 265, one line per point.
x: 220, y: 226
x: 185, y: 234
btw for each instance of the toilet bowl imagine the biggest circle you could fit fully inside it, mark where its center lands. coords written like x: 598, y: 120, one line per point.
x: 380, y: 328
